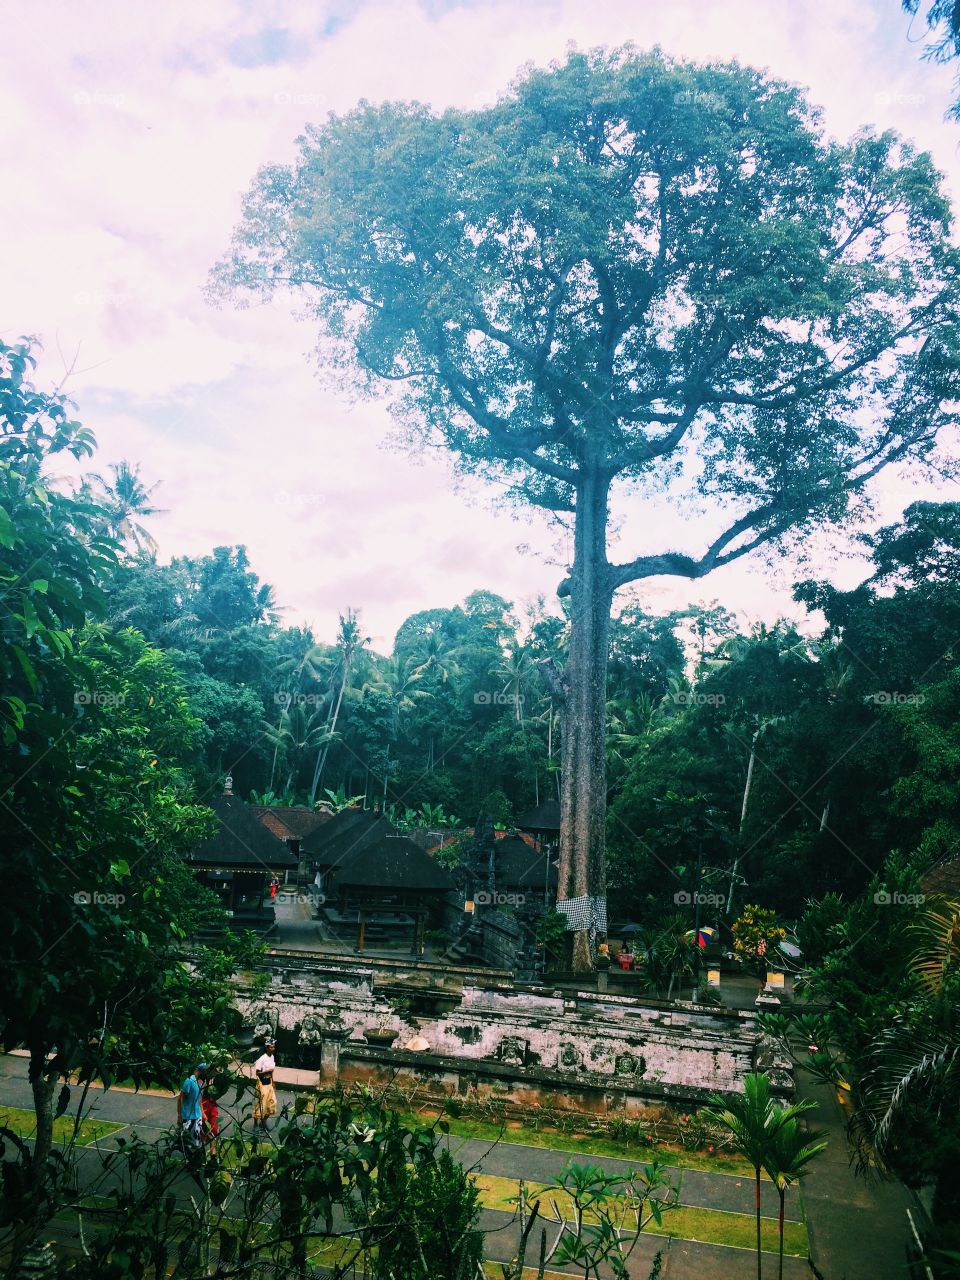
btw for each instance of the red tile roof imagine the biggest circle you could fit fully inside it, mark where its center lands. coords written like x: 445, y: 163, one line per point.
x: 289, y: 823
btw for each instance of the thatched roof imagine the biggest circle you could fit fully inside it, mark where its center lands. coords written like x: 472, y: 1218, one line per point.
x: 519, y: 866
x: 545, y: 817
x: 334, y: 831
x: 390, y: 862
x: 241, y: 842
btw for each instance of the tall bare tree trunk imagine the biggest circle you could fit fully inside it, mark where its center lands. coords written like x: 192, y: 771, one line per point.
x: 43, y: 1091
x: 331, y: 728
x: 583, y: 797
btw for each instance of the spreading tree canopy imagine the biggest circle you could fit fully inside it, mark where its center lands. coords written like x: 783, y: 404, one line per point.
x: 628, y: 271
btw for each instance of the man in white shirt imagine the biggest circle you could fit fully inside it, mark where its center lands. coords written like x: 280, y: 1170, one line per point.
x: 265, y: 1104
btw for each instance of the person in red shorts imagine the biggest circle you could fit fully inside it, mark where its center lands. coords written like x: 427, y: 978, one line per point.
x: 211, y: 1113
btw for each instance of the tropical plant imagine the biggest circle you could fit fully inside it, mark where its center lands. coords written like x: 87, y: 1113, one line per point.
x: 757, y: 934
x: 338, y: 800
x: 347, y: 1182
x: 126, y: 501
x: 599, y: 1218
x: 789, y: 1152
x: 906, y: 1080
x: 350, y: 644
x: 754, y: 1119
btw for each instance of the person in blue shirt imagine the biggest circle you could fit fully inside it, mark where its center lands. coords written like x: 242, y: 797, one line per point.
x: 189, y: 1113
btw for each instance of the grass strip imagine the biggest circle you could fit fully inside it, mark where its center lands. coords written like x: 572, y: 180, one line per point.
x: 24, y: 1124
x: 578, y: 1145
x: 686, y: 1222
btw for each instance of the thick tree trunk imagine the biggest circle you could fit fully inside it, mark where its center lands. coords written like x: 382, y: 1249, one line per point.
x: 583, y: 797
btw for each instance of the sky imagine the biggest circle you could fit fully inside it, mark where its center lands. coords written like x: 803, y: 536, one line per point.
x: 129, y: 135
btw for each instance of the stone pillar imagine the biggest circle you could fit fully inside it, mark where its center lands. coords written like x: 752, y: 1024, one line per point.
x: 418, y: 935
x: 331, y: 1040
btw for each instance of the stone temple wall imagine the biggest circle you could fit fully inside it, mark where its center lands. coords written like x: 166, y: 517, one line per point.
x: 555, y: 1040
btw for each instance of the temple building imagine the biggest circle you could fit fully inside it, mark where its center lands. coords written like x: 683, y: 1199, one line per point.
x: 292, y: 825
x: 239, y: 861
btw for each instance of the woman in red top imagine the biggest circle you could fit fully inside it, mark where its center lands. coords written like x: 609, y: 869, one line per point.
x: 211, y: 1115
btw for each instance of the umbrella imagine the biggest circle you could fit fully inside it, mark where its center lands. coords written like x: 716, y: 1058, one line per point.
x: 791, y: 949
x: 704, y: 936
x: 629, y: 929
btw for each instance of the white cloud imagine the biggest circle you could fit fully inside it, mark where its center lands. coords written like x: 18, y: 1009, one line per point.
x: 137, y: 134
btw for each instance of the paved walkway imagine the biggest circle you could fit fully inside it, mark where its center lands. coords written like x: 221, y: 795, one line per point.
x: 149, y: 1114
x: 857, y: 1227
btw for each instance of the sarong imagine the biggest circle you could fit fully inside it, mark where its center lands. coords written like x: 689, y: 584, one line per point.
x: 265, y: 1104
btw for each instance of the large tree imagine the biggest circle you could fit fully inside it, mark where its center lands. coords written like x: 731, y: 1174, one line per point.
x: 634, y: 272
x: 96, y: 808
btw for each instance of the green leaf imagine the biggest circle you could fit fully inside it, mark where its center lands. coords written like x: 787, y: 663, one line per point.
x: 26, y: 666
x: 31, y: 621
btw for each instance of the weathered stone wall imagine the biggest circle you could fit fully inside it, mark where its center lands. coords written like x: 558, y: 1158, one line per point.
x: 501, y: 937
x: 557, y: 1041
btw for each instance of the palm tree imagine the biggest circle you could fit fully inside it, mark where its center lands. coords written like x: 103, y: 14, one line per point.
x: 754, y: 1120
x: 908, y: 1097
x: 438, y: 655
x: 399, y: 678
x: 311, y: 663
x: 630, y: 721
x: 677, y: 953
x: 297, y: 734
x: 790, y: 1151
x: 350, y: 644
x: 127, y: 500
x: 516, y: 667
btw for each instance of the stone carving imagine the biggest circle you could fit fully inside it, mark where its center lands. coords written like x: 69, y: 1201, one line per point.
x: 311, y: 1030
x: 514, y: 1050
x: 569, y: 1057
x: 628, y: 1064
